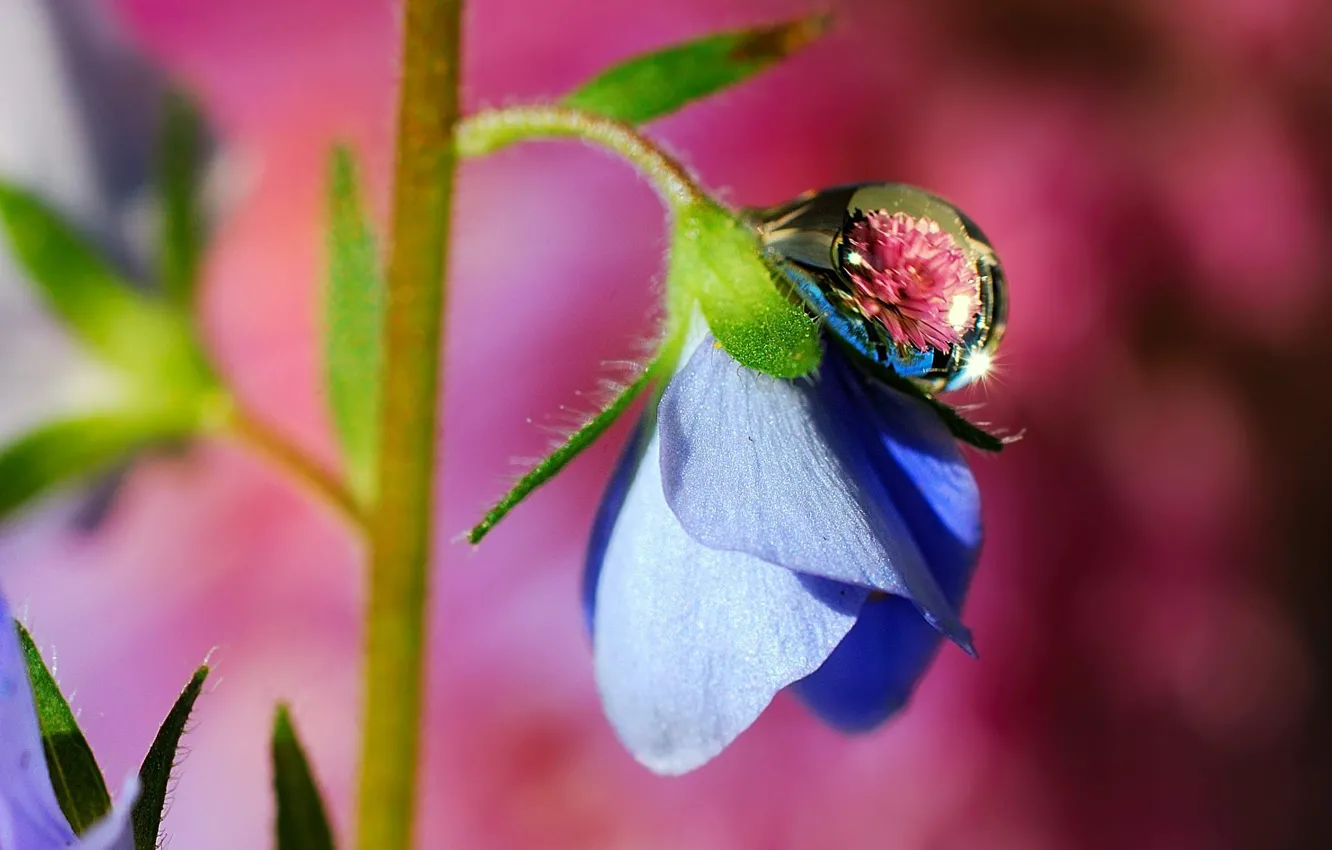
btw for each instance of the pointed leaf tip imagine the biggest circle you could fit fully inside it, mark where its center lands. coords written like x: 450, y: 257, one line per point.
x: 660, y: 82
x: 75, y: 776
x: 302, y: 822
x: 155, y: 773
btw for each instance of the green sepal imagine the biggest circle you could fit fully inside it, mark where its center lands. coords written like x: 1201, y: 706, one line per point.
x: 60, y: 452
x: 302, y: 823
x: 143, y: 336
x: 155, y: 773
x: 551, y: 465
x: 354, y: 311
x: 719, y: 261
x: 75, y: 776
x: 654, y: 84
x: 181, y: 150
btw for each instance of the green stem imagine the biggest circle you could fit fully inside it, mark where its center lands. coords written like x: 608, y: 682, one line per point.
x: 401, y: 518
x: 265, y: 441
x: 487, y: 132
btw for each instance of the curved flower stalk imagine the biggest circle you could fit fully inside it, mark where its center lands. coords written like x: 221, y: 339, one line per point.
x: 30, y: 816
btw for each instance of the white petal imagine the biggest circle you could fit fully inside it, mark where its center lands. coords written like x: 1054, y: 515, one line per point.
x: 692, y: 643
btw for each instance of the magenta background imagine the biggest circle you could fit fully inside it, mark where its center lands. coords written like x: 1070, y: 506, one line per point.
x: 1150, y: 609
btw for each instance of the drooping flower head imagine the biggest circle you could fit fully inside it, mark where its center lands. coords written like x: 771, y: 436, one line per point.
x: 762, y: 533
x: 788, y: 518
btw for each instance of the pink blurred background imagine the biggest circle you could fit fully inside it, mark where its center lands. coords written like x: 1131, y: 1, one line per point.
x: 1152, y: 606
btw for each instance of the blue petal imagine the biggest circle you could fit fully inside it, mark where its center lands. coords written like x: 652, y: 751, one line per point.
x: 611, y: 502
x: 692, y: 643
x: 30, y: 816
x: 921, y: 465
x: 782, y: 470
x: 874, y: 670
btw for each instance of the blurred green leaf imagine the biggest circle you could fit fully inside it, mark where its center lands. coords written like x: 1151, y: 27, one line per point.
x: 301, y: 821
x: 155, y: 773
x: 126, y: 328
x: 720, y: 262
x: 354, y: 302
x: 655, y: 84
x: 180, y: 164
x: 75, y: 776
x: 58, y: 453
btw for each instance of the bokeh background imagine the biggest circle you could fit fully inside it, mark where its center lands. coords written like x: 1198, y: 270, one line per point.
x: 1152, y: 608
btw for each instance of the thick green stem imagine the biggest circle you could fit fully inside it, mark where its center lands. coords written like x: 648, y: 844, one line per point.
x: 489, y: 131
x: 400, y: 521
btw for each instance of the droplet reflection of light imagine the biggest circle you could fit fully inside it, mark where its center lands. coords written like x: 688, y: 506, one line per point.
x: 978, y: 366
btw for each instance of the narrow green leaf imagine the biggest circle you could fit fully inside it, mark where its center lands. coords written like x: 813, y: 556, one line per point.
x: 125, y: 327
x: 655, y: 84
x: 354, y: 304
x: 180, y: 170
x: 75, y: 776
x: 549, y: 467
x: 58, y: 453
x: 155, y: 773
x: 720, y: 261
x: 301, y: 821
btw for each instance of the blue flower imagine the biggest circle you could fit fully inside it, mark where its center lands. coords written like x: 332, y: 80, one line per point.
x: 30, y: 816
x: 762, y: 533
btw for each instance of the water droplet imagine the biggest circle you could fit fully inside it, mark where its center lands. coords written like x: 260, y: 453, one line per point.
x: 900, y: 276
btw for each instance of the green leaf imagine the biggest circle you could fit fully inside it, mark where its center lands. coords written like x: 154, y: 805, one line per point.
x: 58, y: 453
x: 355, y: 310
x: 655, y: 84
x: 549, y: 467
x: 126, y: 328
x: 301, y: 821
x: 75, y: 776
x: 720, y: 262
x: 155, y: 773
x: 180, y: 169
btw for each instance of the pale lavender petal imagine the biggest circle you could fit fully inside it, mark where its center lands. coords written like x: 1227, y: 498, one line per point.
x: 775, y: 469
x: 692, y: 643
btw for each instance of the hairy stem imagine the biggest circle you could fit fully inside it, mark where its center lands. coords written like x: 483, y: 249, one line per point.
x: 400, y: 520
x: 487, y: 132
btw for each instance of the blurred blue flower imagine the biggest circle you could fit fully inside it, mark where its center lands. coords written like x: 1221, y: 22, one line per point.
x: 761, y: 533
x: 30, y: 816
